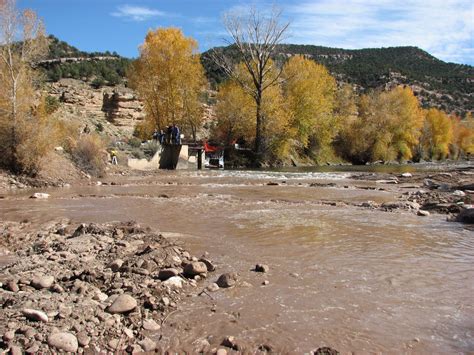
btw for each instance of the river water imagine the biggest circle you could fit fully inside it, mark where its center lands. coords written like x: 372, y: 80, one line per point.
x: 355, y: 279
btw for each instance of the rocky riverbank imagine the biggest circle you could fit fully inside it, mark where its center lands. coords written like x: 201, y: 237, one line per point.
x: 91, y: 287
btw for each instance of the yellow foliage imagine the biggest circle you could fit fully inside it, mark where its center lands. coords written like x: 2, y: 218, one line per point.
x: 169, y: 77
x: 387, y: 128
x: 463, y: 135
x: 309, y: 92
x: 437, y: 134
x: 235, y: 112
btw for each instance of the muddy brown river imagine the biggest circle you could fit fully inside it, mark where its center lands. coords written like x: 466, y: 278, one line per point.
x: 355, y: 279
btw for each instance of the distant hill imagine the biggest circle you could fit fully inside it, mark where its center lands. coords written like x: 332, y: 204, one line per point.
x: 437, y: 84
x: 66, y: 61
x: 447, y: 86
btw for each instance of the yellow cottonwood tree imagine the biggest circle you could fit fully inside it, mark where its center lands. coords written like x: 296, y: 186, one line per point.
x: 437, y: 134
x: 235, y: 112
x: 463, y: 136
x: 169, y: 77
x: 22, y: 42
x: 388, y: 127
x: 309, y: 92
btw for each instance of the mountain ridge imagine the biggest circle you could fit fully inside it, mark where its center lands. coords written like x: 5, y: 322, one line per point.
x: 447, y: 86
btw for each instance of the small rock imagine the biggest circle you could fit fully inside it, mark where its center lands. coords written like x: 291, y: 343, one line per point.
x: 466, y: 216
x: 124, y: 303
x: 213, y: 287
x: 265, y: 283
x: 325, y: 351
x: 83, y: 339
x: 262, y: 268
x: 210, y: 266
x: 33, y: 349
x: 9, y: 336
x: 230, y: 342
x: 116, y: 265
x: 459, y: 193
x: 407, y: 175
x: 15, y: 350
x: 147, y: 344
x: 40, y: 195
x: 165, y: 301
x: 165, y: 274
x: 150, y: 324
x: 42, y: 281
x: 423, y: 213
x: 221, y: 351
x: 12, y: 286
x: 63, y: 341
x: 195, y: 268
x: 115, y: 344
x: 35, y: 315
x: 227, y: 280
x: 174, y: 282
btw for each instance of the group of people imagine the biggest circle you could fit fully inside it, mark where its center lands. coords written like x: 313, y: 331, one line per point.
x: 171, y: 136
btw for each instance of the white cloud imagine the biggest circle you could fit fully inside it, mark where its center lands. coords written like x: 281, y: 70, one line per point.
x: 136, y: 13
x: 444, y: 28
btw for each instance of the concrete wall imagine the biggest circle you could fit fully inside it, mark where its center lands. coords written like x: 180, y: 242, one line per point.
x: 171, y: 156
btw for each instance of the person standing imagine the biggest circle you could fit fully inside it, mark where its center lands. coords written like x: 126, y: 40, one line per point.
x: 113, y: 154
x: 175, y: 134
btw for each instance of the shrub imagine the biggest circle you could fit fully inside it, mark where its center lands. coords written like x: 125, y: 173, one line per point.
x: 134, y: 142
x: 89, y: 154
x: 98, y: 82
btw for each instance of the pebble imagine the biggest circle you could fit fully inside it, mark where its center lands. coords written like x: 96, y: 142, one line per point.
x: 63, y: 341
x: 213, y: 287
x: 227, y: 280
x: 407, y: 175
x: 265, y: 283
x: 35, y: 315
x: 422, y: 213
x: 9, y: 335
x: 210, y: 266
x: 124, y: 303
x: 150, y: 324
x: 15, y: 350
x: 42, y: 281
x: 174, y: 282
x: 221, y: 351
x: 195, y: 268
x: 83, y: 339
x: 165, y: 274
x: 40, y: 195
x: 116, y: 265
x: 459, y: 193
x: 147, y: 344
x: 33, y: 349
x: 262, y: 268
x: 12, y: 286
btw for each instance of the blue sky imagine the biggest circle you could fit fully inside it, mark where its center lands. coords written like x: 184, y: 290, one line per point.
x: 444, y: 28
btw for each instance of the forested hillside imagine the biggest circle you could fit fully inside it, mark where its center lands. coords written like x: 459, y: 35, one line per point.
x: 438, y: 84
x: 66, y: 61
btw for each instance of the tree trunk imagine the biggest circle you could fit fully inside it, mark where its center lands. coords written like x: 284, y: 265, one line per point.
x: 259, y: 149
